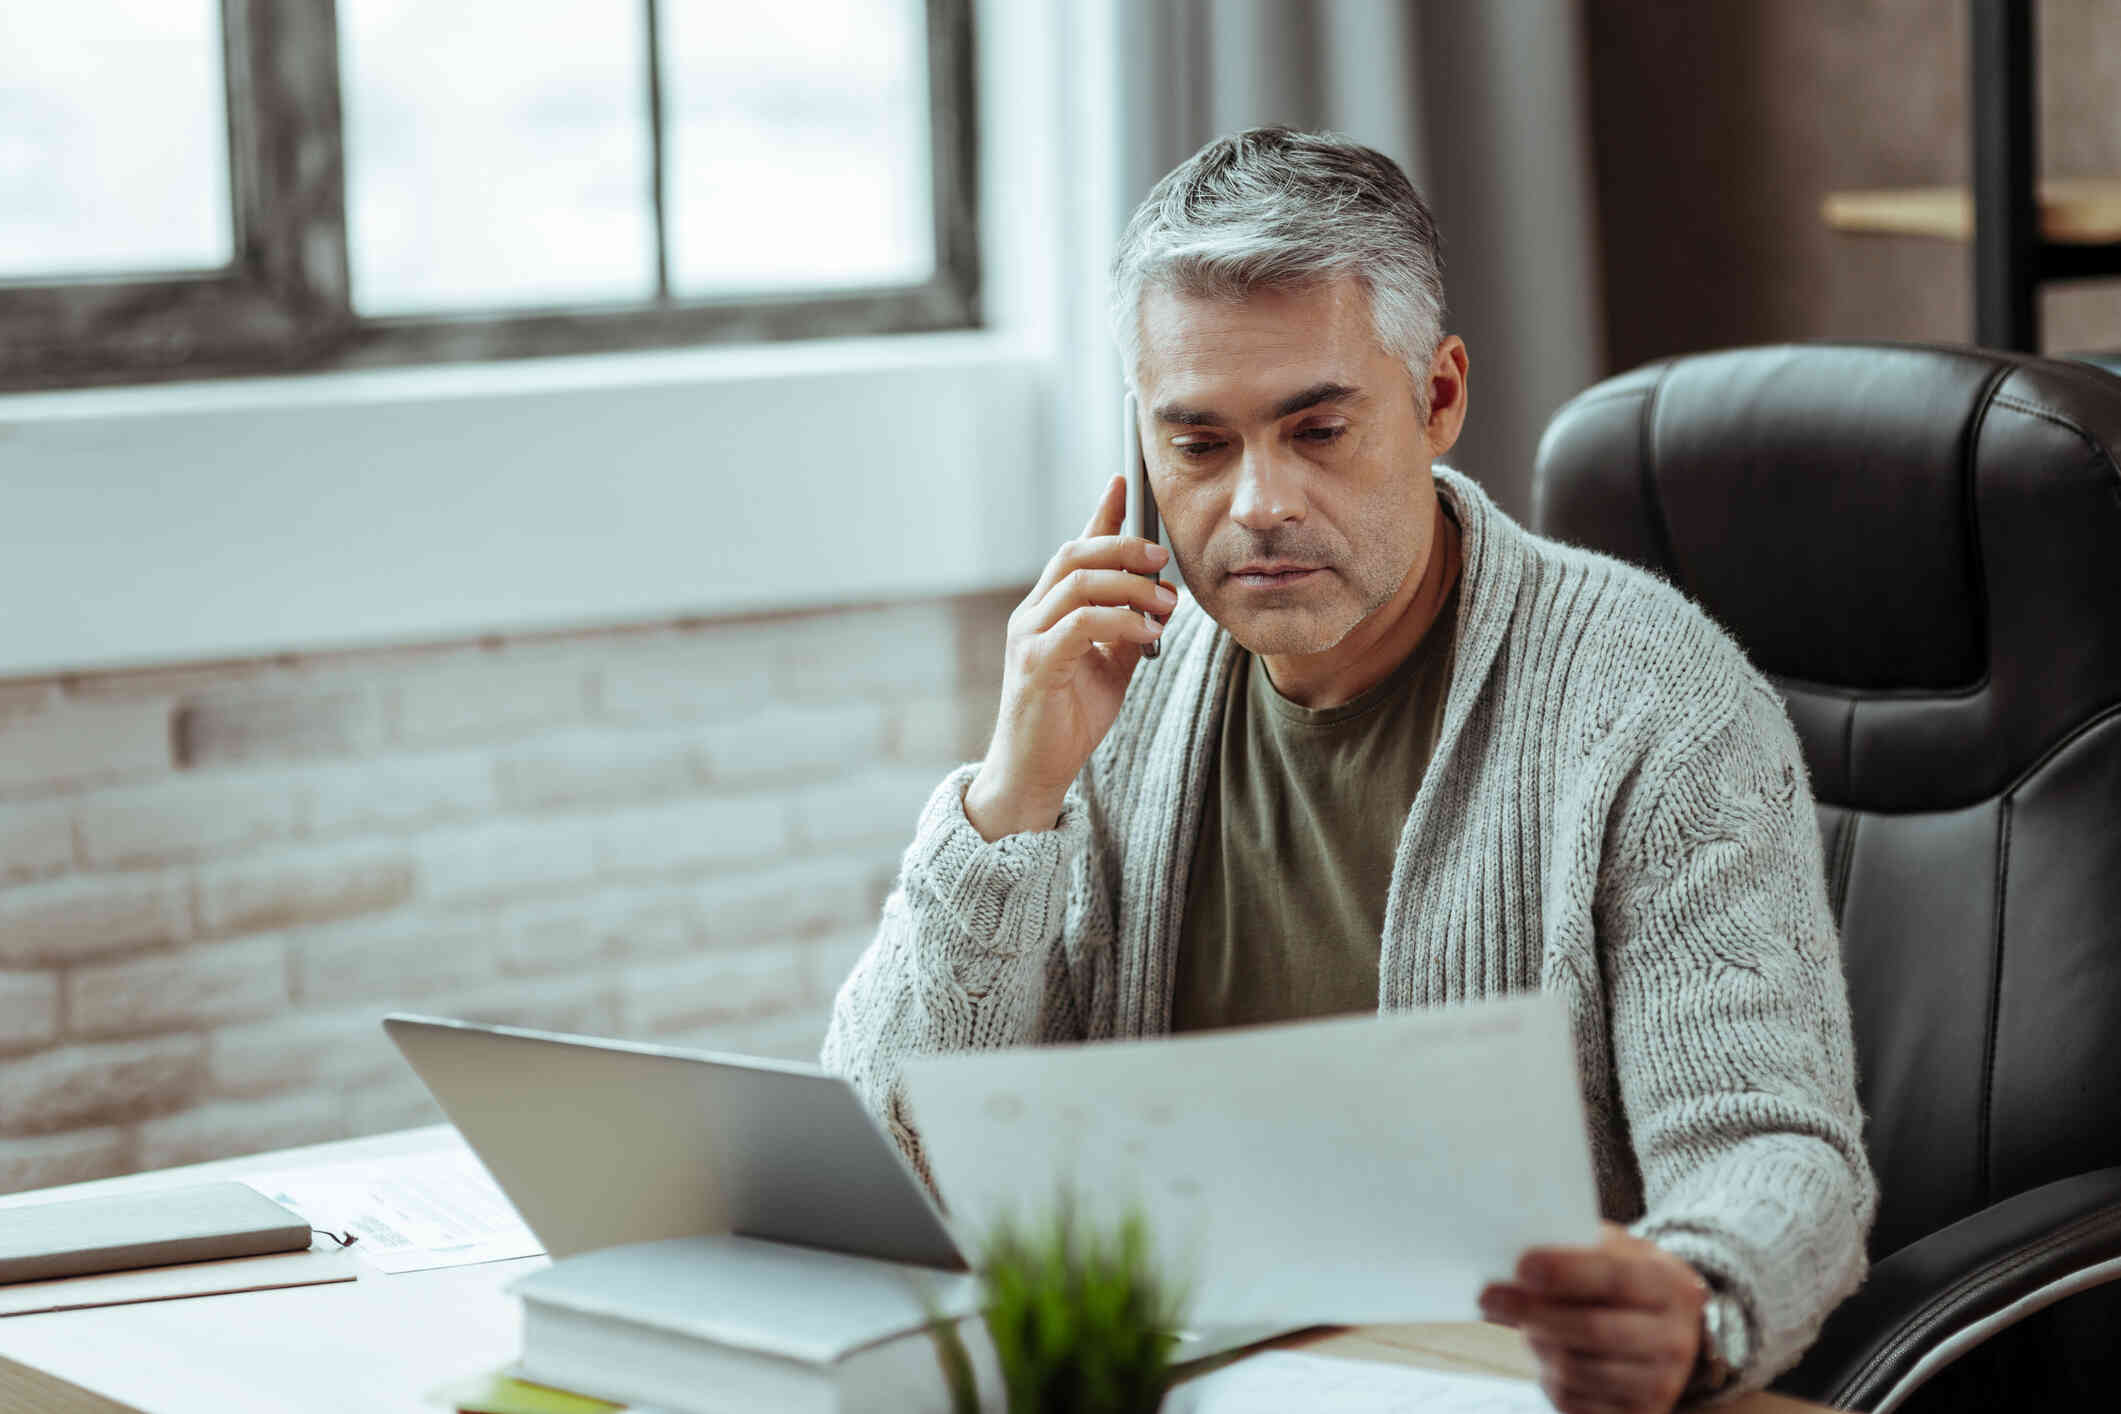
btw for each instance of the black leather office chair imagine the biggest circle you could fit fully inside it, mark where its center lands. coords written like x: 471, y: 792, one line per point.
x: 1921, y: 546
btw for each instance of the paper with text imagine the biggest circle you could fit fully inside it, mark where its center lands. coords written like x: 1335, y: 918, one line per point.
x: 1281, y: 1380
x: 409, y: 1211
x: 1359, y: 1169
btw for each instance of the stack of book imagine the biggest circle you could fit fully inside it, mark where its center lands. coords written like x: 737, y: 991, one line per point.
x: 704, y: 1325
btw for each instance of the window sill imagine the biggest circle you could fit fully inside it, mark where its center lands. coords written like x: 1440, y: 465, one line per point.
x: 437, y: 382
x: 247, y: 516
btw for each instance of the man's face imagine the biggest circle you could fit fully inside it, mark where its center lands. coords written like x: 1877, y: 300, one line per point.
x: 1290, y: 457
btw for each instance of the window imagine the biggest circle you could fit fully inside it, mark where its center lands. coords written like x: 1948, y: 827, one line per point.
x: 194, y: 188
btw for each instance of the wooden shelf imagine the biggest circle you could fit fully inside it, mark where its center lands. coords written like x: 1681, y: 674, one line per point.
x: 2073, y: 211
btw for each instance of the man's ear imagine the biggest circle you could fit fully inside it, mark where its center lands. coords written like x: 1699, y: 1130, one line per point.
x: 1447, y: 394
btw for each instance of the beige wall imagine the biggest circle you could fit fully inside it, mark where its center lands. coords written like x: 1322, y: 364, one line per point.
x: 215, y: 879
x: 1719, y: 126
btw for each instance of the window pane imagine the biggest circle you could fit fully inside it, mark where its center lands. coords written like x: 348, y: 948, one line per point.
x: 796, y: 144
x: 113, y: 138
x: 496, y: 154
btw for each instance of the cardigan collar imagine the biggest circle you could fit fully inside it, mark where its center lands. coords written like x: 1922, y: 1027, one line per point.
x: 1495, y: 549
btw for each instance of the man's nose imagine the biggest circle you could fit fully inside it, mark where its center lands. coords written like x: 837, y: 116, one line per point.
x: 1269, y: 490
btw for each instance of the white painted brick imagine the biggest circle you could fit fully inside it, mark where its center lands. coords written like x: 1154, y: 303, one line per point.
x: 508, y: 858
x: 29, y: 1009
x: 343, y: 1049
x: 279, y: 723
x: 171, y: 683
x: 792, y: 743
x: 983, y: 636
x: 717, y: 986
x: 586, y: 1006
x: 295, y: 886
x: 703, y: 673
x: 35, y: 839
x: 879, y: 809
x: 73, y: 1157
x: 903, y: 650
x: 184, y: 818
x: 223, y: 1129
x: 27, y: 699
x: 400, y: 1103
x: 92, y: 915
x: 490, y: 698
x: 693, y: 834
x: 76, y: 743
x: 392, y: 960
x: 400, y: 792
x: 70, y: 1087
x: 598, y: 766
x: 204, y: 984
x: 573, y: 935
x: 802, y: 898
x: 944, y: 731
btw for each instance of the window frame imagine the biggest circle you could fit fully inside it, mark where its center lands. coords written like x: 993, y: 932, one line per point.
x: 284, y: 304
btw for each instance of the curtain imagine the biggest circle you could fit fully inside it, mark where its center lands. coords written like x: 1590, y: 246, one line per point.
x: 1484, y: 104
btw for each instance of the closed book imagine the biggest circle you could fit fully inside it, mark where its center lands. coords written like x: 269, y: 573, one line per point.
x: 119, y: 1232
x: 719, y: 1324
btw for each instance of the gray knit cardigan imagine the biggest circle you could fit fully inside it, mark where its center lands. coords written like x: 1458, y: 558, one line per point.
x: 1616, y: 811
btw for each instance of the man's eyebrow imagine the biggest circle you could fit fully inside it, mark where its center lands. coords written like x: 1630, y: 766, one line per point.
x: 1327, y: 392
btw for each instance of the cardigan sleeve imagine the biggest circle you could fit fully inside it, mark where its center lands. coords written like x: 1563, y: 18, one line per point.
x: 965, y: 957
x: 1731, y: 1039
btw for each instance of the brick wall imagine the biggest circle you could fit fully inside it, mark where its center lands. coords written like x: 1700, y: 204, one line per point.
x: 215, y: 879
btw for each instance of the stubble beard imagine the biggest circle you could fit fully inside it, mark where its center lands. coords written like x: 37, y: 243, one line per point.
x: 1292, y: 631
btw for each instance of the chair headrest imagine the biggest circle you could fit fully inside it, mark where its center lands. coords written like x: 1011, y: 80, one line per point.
x: 1921, y: 545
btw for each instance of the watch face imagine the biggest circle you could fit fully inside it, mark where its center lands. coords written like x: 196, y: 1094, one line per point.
x: 1722, y: 1336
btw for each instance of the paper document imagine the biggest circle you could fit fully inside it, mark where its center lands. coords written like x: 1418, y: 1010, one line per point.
x: 1361, y: 1169
x: 409, y: 1211
x: 1282, y: 1380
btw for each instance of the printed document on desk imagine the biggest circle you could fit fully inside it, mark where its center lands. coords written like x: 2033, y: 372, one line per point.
x: 409, y: 1212
x: 1351, y: 1170
x: 1281, y: 1380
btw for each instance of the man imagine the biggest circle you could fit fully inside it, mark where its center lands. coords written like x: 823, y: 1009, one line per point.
x: 1402, y: 753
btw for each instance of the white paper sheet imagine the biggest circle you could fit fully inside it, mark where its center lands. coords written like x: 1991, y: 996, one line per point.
x: 409, y: 1211
x: 1364, y: 1169
x: 1282, y: 1380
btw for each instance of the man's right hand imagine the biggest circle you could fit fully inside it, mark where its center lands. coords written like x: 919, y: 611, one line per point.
x: 1073, y: 646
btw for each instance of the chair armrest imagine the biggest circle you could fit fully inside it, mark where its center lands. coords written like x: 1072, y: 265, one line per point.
x: 1936, y: 1299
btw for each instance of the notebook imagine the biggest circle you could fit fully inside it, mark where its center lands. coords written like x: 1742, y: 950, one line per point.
x: 120, y: 1232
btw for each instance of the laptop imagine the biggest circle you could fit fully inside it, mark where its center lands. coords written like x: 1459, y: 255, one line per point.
x: 600, y: 1142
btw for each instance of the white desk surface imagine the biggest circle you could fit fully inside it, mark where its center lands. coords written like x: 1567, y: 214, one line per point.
x: 371, y: 1346
x: 378, y: 1344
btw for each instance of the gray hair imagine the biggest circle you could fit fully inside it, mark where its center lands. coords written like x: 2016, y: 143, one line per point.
x: 1272, y: 208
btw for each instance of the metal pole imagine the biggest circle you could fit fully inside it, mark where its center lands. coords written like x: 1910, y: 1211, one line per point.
x: 2007, y: 238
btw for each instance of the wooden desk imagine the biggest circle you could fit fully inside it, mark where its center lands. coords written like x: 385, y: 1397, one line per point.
x: 376, y: 1345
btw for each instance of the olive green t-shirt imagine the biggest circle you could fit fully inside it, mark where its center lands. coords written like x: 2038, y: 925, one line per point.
x: 1285, y: 904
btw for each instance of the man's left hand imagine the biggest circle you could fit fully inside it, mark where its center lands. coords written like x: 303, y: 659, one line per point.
x: 1616, y: 1327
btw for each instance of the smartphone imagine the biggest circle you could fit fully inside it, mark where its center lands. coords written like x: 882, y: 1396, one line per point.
x: 1141, y: 503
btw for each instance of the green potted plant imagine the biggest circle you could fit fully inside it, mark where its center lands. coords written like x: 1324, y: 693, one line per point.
x: 1080, y: 1319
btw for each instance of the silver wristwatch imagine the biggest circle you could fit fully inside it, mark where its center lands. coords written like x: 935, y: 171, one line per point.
x: 1724, y: 1342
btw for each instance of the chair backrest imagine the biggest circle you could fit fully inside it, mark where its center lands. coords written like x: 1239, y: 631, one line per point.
x: 1921, y: 546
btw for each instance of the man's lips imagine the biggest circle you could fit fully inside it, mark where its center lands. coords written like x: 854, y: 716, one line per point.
x: 1273, y: 573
